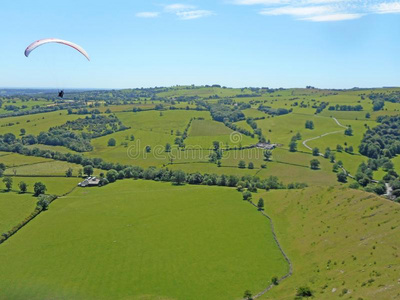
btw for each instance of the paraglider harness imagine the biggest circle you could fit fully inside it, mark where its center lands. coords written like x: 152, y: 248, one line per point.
x: 61, y: 94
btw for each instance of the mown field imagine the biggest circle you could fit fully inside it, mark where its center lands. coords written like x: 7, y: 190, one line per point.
x: 138, y: 239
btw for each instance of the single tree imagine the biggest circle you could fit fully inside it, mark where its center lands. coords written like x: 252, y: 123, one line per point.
x: 148, y: 149
x: 168, y: 147
x: 342, y: 177
x: 349, y: 131
x: 43, y: 202
x: 88, y: 170
x: 242, y: 164
x: 275, y: 280
x: 315, y: 151
x: 267, y: 155
x: 293, y: 146
x: 251, y: 165
x: 260, y: 204
x: 112, y: 176
x: 178, y: 177
x: 22, y: 131
x: 39, y: 188
x: 68, y: 173
x: 350, y: 150
x: 304, y: 291
x: 112, y: 142
x: 8, y: 182
x: 22, y: 187
x: 247, y: 196
x: 314, y: 164
x: 216, y: 145
x: 327, y: 152
x: 248, y: 295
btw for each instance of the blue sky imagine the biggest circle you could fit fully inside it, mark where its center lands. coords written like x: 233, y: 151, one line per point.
x: 274, y: 43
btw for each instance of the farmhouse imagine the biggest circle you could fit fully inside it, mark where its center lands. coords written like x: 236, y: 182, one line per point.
x: 266, y: 146
x: 90, y: 181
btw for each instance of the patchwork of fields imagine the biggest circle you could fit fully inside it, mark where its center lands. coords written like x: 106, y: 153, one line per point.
x: 142, y: 239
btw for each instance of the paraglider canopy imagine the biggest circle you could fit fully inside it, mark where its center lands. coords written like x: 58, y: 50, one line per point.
x: 38, y: 43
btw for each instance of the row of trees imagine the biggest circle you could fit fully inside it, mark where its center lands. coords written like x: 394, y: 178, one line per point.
x: 338, y: 107
x: 274, y: 111
x: 118, y: 171
x: 309, y: 124
x: 39, y: 188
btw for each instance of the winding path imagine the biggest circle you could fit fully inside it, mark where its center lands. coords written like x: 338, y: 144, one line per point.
x: 388, y: 187
x: 325, y: 134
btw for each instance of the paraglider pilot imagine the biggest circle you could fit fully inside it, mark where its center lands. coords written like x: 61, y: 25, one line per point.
x: 61, y: 94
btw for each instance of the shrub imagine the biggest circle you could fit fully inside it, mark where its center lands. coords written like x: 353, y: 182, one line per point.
x: 247, y: 196
x: 112, y: 142
x: 304, y: 291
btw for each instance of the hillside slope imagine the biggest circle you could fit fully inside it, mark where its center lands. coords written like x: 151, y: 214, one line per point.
x: 341, y: 242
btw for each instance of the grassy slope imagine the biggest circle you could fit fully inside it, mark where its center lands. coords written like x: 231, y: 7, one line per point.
x: 142, y: 240
x: 14, y: 208
x: 358, y: 232
x: 34, y: 124
x: 15, y: 160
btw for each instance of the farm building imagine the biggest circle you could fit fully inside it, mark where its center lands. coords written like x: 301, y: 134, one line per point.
x: 90, y: 181
x: 266, y: 146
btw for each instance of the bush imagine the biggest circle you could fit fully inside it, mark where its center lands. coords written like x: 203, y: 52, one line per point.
x: 39, y: 188
x: 354, y: 185
x: 43, y: 202
x: 247, y: 196
x: 112, y: 176
x: 112, y: 142
x: 342, y: 177
x: 304, y: 291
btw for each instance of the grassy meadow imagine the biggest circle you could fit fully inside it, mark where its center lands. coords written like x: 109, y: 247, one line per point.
x: 338, y: 240
x: 153, y: 241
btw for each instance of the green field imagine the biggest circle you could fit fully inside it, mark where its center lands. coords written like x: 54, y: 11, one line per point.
x: 153, y: 241
x: 14, y: 208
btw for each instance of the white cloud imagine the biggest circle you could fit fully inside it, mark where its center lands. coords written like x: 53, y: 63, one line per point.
x: 299, y: 11
x: 194, y: 14
x: 323, y: 10
x: 387, y: 8
x: 333, y: 17
x: 178, y: 7
x: 147, y: 14
x: 187, y: 12
x: 265, y: 2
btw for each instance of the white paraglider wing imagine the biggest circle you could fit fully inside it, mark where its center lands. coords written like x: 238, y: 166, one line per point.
x: 38, y: 43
